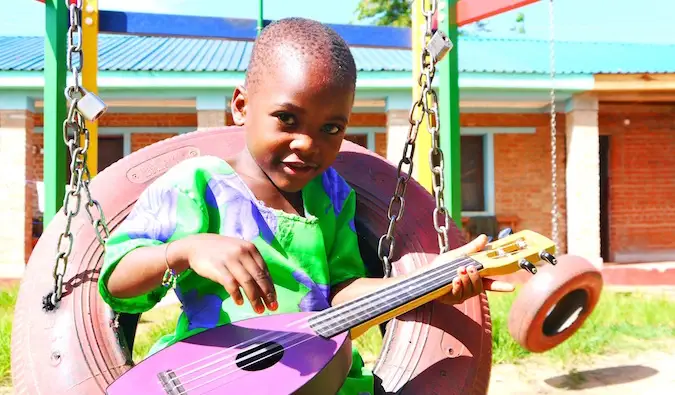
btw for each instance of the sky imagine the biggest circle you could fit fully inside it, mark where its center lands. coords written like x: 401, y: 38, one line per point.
x: 575, y: 20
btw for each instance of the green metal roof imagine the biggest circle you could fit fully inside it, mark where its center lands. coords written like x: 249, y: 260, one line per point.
x: 477, y: 55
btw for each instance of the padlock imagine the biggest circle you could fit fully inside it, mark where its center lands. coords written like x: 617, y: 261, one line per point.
x: 438, y: 46
x: 91, y: 106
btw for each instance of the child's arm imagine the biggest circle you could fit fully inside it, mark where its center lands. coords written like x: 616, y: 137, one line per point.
x: 467, y: 285
x: 173, y: 224
x: 231, y: 262
x: 142, y: 270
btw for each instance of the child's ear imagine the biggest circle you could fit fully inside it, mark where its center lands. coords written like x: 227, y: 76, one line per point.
x: 238, y: 105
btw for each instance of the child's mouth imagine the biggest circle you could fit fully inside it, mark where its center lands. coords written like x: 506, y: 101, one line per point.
x: 298, y: 168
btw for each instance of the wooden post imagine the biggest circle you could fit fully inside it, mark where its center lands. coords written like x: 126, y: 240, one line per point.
x: 90, y: 73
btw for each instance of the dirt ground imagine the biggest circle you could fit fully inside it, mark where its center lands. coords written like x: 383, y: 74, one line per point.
x: 651, y: 372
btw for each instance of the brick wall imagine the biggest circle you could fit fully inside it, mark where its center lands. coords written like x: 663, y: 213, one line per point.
x: 523, y: 169
x: 141, y: 140
x: 641, y: 177
x: 381, y: 144
x: 137, y: 119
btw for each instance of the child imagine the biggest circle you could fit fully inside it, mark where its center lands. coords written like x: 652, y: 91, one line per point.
x: 275, y: 220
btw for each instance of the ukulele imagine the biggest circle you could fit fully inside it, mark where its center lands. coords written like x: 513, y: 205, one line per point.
x: 309, y: 352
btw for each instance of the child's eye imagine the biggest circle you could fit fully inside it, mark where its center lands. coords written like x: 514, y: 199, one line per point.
x: 331, y: 129
x: 286, y: 119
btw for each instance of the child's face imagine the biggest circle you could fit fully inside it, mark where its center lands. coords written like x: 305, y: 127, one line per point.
x: 295, y: 121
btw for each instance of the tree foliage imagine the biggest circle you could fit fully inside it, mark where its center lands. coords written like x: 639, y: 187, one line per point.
x: 397, y: 13
x: 385, y: 12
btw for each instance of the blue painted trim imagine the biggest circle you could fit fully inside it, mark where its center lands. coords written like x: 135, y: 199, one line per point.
x: 488, y: 166
x: 120, y: 131
x: 16, y: 101
x: 399, y: 101
x: 150, y: 110
x: 126, y: 144
x: 367, y: 80
x: 479, y: 131
x: 237, y: 29
x: 365, y: 129
x: 211, y: 101
x: 489, y: 176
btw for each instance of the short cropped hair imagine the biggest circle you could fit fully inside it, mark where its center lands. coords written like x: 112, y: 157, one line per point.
x: 304, y: 38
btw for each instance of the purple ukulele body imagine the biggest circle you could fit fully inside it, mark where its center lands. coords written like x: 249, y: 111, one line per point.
x: 308, y: 353
x: 276, y: 354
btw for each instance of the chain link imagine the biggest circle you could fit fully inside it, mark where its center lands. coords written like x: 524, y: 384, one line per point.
x: 554, y: 156
x: 74, y: 133
x: 426, y: 105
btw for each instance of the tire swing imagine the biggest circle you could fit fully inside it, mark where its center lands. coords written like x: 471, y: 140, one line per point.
x: 66, y: 340
x: 555, y: 303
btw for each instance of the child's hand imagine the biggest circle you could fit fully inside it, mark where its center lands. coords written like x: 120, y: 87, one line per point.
x: 233, y: 263
x: 468, y: 282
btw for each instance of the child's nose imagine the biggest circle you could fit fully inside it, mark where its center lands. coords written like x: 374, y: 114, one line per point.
x: 303, y: 143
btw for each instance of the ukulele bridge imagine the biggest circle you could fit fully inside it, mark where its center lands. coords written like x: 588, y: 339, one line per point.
x: 171, y: 383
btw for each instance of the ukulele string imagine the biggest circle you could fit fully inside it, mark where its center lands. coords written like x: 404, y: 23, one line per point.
x: 448, y: 270
x: 238, y: 346
x: 359, y: 310
x: 395, y: 290
x: 229, y: 373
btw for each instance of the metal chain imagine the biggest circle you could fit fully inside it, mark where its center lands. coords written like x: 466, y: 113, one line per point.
x: 554, y: 156
x: 425, y: 105
x: 74, y: 132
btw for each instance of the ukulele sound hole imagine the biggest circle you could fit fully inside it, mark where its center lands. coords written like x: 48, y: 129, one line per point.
x: 260, y: 357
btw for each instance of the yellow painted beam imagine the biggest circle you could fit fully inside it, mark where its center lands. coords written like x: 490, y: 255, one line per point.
x: 90, y: 72
x: 421, y: 170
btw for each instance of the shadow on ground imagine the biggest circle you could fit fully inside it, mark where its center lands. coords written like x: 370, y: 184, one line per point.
x: 586, y: 379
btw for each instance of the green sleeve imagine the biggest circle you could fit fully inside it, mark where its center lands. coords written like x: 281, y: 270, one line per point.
x: 344, y: 258
x: 172, y: 207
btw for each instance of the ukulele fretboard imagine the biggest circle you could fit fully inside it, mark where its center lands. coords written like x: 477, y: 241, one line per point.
x: 338, y: 319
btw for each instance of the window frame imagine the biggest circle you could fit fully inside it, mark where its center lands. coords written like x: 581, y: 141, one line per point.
x: 488, y: 134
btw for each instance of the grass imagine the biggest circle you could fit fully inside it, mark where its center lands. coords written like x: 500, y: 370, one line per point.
x: 621, y: 322
x: 7, y: 301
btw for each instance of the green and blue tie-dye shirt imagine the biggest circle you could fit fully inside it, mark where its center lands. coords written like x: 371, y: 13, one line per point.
x: 305, y: 255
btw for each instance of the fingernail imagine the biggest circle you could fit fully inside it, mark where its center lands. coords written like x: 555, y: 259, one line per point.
x: 274, y: 305
x: 472, y: 269
x: 239, y: 302
x: 259, y: 309
x: 463, y: 270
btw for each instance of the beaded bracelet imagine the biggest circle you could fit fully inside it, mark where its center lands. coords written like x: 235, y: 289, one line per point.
x: 169, y: 278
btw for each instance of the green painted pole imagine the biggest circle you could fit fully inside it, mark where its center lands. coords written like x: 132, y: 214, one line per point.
x: 261, y: 18
x: 56, y: 17
x: 449, y: 113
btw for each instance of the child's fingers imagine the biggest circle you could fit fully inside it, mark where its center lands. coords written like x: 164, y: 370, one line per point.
x: 497, y: 286
x: 474, y: 245
x: 457, y: 288
x: 262, y: 278
x: 227, y: 280
x: 467, y: 287
x: 475, y: 279
x: 248, y: 283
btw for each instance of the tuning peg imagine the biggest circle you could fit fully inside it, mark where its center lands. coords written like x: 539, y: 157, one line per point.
x: 505, y: 232
x: 525, y: 264
x: 546, y: 256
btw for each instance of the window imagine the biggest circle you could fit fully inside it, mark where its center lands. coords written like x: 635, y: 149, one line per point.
x: 360, y: 139
x: 473, y: 173
x: 110, y: 150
